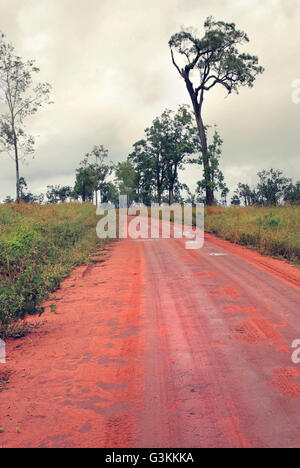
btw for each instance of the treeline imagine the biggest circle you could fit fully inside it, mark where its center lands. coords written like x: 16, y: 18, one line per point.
x: 151, y: 172
x: 272, y: 189
x: 152, y: 169
x: 174, y: 140
x: 150, y: 175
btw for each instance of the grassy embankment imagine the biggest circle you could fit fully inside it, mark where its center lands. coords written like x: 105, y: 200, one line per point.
x: 39, y: 246
x: 271, y: 231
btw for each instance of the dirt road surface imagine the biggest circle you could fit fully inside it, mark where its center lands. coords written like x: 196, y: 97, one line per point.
x: 160, y: 346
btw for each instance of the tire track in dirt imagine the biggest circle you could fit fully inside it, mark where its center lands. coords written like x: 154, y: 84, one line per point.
x: 160, y: 347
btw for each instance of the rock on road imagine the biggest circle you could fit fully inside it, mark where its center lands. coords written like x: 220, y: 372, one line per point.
x: 160, y: 346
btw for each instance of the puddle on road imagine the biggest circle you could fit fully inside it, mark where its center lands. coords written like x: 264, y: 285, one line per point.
x: 217, y: 254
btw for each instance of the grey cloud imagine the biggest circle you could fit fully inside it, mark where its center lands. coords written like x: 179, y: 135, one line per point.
x: 110, y: 68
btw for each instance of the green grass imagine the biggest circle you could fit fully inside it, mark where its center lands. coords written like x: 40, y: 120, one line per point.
x: 271, y: 231
x: 39, y: 246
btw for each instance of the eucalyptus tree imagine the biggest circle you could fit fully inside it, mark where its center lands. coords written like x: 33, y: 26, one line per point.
x: 246, y: 194
x: 164, y: 151
x: 292, y: 193
x: 210, y: 61
x: 179, y: 134
x: 58, y: 193
x: 216, y: 181
x: 110, y: 193
x: 96, y: 160
x: 126, y: 178
x: 22, y: 99
x: 85, y: 184
x: 271, y: 186
x: 156, y: 149
x: 143, y: 163
x: 235, y: 200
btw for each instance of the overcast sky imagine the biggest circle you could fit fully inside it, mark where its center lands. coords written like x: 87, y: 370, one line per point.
x: 110, y: 68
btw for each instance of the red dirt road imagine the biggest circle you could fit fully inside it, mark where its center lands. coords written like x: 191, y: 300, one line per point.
x: 161, y: 347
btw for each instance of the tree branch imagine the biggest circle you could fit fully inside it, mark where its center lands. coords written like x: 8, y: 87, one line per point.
x: 175, y: 64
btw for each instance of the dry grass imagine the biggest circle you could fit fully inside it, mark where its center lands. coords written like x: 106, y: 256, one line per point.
x: 272, y: 231
x: 39, y: 246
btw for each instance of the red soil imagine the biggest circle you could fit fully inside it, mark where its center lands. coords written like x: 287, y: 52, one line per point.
x: 161, y: 347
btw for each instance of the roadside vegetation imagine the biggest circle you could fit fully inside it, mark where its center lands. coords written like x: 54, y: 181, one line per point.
x: 43, y: 236
x: 39, y: 246
x: 273, y: 231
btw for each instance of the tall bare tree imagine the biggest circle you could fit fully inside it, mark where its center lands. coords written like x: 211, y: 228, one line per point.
x: 22, y: 99
x: 206, y: 62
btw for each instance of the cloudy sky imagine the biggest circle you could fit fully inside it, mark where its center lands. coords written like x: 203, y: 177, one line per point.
x: 110, y: 68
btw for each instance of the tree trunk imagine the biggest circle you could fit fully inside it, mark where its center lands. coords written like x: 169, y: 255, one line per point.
x: 18, y: 197
x: 159, y: 197
x: 159, y: 194
x: 203, y: 139
x: 139, y: 192
x: 171, y: 196
x: 171, y: 184
x: 206, y: 163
